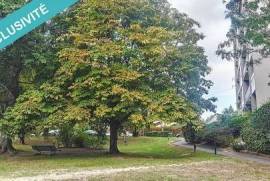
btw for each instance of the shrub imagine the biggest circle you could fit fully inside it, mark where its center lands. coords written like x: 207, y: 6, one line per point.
x: 220, y: 137
x: 86, y: 141
x: 238, y: 145
x: 237, y: 123
x: 94, y: 142
x: 260, y: 119
x: 255, y: 139
x: 83, y: 140
x: 256, y: 133
x: 66, y: 136
x: 80, y: 140
x: 211, y: 134
x: 227, y: 127
x: 158, y: 134
x: 191, y: 135
x: 75, y: 136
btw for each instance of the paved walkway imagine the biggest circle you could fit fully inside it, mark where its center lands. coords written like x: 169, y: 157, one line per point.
x: 226, y: 152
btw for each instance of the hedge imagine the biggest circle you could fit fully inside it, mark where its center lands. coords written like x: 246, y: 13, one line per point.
x: 158, y: 134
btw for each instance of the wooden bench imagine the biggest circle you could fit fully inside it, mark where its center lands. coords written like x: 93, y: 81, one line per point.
x: 51, y: 149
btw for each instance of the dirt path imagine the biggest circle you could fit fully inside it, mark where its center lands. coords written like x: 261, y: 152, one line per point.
x: 81, y: 175
x: 196, y: 171
x: 227, y: 152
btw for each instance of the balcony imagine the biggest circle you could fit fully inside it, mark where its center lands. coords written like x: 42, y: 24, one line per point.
x: 238, y: 72
x: 252, y: 84
x: 239, y: 90
x: 248, y: 94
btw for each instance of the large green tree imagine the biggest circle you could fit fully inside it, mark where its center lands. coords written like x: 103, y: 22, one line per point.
x: 121, y: 61
x: 9, y: 77
x: 26, y: 63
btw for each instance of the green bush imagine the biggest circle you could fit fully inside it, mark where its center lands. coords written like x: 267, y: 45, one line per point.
x: 238, y: 145
x: 260, y: 119
x: 83, y: 140
x: 256, y: 133
x: 212, y: 134
x: 256, y: 140
x: 227, y: 127
x: 219, y: 137
x: 237, y: 123
x: 95, y: 142
x: 66, y: 136
x: 80, y: 140
x: 86, y: 141
x: 158, y: 134
x: 75, y: 136
x: 191, y: 135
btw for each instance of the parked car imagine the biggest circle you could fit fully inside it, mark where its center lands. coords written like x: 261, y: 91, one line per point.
x: 55, y: 132
x: 128, y: 134
x: 91, y: 132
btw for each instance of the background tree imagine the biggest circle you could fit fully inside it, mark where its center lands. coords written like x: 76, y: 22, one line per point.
x: 250, y: 28
x: 28, y: 62
x: 9, y: 76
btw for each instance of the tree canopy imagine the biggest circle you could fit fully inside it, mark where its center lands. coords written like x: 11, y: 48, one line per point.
x: 250, y: 28
x: 118, y: 61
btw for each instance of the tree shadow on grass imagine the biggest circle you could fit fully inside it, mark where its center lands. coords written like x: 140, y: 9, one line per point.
x: 87, y: 153
x: 157, y: 155
x: 143, y: 148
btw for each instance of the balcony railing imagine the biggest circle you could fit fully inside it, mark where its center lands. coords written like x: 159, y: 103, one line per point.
x: 252, y: 84
x: 248, y: 94
x: 240, y: 89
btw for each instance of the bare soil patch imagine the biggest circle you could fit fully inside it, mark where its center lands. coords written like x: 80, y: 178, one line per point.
x: 205, y: 170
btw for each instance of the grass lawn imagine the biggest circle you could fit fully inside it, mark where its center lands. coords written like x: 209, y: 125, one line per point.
x: 154, y: 153
x: 138, y: 152
x: 213, y: 170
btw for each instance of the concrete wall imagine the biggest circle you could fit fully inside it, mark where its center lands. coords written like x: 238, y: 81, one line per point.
x: 262, y: 72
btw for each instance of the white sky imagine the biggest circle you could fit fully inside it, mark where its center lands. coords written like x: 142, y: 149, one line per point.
x: 210, y: 14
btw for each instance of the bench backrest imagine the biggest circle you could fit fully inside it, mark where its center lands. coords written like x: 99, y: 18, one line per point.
x: 44, y: 147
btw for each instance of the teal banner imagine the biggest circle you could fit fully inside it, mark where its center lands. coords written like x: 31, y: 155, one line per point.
x: 27, y: 18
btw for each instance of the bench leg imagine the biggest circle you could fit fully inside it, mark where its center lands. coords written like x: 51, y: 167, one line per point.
x: 52, y: 153
x: 37, y: 153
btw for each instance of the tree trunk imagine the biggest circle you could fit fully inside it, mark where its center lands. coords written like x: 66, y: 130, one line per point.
x: 22, y: 137
x: 45, y: 134
x: 6, y: 146
x: 13, y: 88
x: 135, y: 132
x: 22, y: 140
x: 114, y: 126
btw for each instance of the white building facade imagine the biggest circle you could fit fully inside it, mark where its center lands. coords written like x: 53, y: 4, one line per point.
x: 251, y: 79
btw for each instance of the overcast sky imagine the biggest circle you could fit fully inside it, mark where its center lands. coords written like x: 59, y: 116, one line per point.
x: 210, y: 14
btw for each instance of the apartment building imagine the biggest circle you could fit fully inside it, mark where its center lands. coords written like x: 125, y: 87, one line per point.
x: 251, y: 78
x: 252, y: 83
